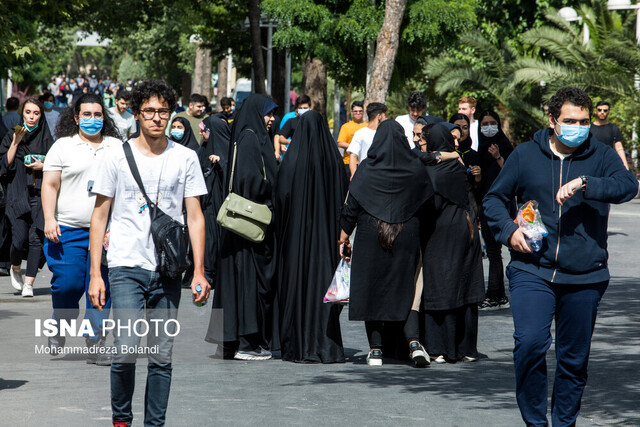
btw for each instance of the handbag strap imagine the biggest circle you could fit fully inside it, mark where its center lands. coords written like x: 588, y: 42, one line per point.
x: 233, y: 163
x: 136, y: 175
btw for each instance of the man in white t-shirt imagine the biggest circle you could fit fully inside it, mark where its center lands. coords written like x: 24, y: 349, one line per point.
x: 172, y: 177
x: 363, y: 138
x: 467, y: 106
x: 416, y: 104
x: 124, y: 120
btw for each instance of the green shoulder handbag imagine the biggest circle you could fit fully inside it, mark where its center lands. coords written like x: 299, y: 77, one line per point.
x: 241, y: 216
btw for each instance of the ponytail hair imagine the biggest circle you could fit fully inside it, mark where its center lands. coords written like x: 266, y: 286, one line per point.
x: 387, y: 234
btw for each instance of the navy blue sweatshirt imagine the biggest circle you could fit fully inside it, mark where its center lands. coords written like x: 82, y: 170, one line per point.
x: 575, y: 251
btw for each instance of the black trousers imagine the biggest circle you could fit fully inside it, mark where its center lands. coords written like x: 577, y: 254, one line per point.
x: 27, y: 239
x: 495, y: 287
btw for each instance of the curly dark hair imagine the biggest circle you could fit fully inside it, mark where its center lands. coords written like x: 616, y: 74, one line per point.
x: 417, y: 101
x: 67, y: 125
x: 148, y: 89
x: 572, y: 95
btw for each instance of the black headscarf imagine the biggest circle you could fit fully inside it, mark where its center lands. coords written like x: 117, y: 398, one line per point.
x: 489, y: 166
x: 17, y: 176
x: 391, y: 184
x: 37, y: 142
x: 432, y: 119
x: 188, y: 139
x: 251, y: 117
x: 449, y: 178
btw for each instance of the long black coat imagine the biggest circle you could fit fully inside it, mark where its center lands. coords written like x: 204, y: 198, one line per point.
x: 312, y: 185
x: 245, y: 269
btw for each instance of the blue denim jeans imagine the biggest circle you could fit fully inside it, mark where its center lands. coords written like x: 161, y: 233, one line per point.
x: 70, y: 263
x: 535, y: 303
x: 138, y: 295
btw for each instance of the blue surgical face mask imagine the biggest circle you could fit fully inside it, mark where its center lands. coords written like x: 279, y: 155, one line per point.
x: 177, y: 134
x: 30, y: 129
x: 48, y: 105
x: 91, y: 126
x: 301, y: 111
x: 572, y: 135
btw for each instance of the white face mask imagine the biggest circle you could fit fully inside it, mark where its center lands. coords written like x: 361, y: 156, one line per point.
x: 489, y: 130
x: 301, y: 111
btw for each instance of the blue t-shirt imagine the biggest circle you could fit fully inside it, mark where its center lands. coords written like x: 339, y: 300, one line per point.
x: 289, y: 115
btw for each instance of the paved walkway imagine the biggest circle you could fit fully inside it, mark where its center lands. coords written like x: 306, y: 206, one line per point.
x: 41, y: 390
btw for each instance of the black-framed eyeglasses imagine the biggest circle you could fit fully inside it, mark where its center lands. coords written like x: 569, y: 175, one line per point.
x: 150, y: 113
x: 600, y: 110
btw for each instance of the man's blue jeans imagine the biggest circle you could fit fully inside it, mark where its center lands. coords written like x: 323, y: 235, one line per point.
x: 535, y: 303
x: 133, y: 289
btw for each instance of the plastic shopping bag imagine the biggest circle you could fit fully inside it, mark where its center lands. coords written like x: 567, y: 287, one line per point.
x: 338, y: 291
x: 530, y: 221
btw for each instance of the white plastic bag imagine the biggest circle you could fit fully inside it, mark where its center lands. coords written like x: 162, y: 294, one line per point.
x: 338, y: 291
x: 530, y: 221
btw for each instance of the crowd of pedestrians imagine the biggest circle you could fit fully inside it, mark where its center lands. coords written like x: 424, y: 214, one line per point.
x: 408, y: 203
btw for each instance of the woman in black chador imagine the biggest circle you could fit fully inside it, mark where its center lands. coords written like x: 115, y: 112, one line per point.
x: 493, y: 149
x: 388, y: 189
x: 245, y: 269
x: 23, y: 183
x: 452, y: 260
x: 312, y: 185
x: 213, y: 160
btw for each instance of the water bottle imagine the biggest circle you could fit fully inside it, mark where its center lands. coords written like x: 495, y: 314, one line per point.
x: 199, y: 303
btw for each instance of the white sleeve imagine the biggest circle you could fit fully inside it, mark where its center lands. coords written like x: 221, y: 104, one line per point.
x: 107, y: 175
x: 194, y: 184
x: 53, y: 160
x: 354, y: 146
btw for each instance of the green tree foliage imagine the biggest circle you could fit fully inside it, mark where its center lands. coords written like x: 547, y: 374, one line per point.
x: 337, y: 32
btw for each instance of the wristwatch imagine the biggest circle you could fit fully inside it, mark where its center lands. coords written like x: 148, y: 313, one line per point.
x: 498, y: 158
x: 438, y: 157
x: 584, y: 179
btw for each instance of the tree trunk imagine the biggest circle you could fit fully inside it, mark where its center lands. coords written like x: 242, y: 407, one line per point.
x: 256, y: 46
x: 222, y: 80
x: 386, y: 49
x: 202, y: 72
x: 314, y: 84
x: 278, y: 77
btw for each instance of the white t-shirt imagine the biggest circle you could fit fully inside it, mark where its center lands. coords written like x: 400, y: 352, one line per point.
x: 407, y: 123
x: 125, y: 122
x: 361, y: 142
x: 178, y: 169
x: 53, y: 117
x: 473, y: 133
x: 78, y: 163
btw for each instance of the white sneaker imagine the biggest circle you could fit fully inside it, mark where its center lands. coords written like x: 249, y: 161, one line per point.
x: 374, y: 358
x: 27, y: 290
x: 440, y: 359
x: 16, y: 279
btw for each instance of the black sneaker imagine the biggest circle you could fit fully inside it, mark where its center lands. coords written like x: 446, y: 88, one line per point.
x: 374, y: 358
x: 504, y: 303
x: 418, y: 354
x: 489, y: 304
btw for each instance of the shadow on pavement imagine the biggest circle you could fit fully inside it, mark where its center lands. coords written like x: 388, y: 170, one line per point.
x: 614, y: 375
x: 11, y: 384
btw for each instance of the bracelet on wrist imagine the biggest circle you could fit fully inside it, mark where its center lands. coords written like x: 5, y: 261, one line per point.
x: 584, y: 179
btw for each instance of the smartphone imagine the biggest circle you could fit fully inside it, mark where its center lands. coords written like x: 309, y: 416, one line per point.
x: 346, y: 250
x: 16, y: 128
x: 204, y: 129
